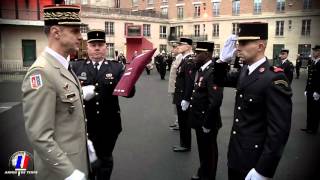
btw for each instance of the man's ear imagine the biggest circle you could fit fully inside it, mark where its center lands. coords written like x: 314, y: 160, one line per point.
x: 55, y: 32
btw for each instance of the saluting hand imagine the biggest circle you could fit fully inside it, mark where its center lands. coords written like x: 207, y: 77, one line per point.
x: 229, y: 49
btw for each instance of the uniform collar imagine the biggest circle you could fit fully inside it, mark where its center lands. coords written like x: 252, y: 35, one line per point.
x: 255, y: 65
x: 283, y: 61
x: 203, y: 67
x: 100, y: 62
x: 58, y: 57
x: 187, y: 54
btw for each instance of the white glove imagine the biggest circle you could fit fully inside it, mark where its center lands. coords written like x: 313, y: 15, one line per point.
x: 305, y: 93
x: 91, y: 151
x: 316, y: 96
x: 88, y: 92
x: 229, y: 49
x: 184, y: 105
x: 205, y: 130
x: 254, y: 175
x: 76, y: 175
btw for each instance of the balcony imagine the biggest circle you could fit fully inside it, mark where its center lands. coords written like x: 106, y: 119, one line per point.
x: 122, y: 11
x: 193, y: 37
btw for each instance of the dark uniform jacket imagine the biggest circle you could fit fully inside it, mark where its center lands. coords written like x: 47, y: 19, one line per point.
x: 206, y: 101
x: 262, y: 117
x: 102, y: 111
x: 288, y: 69
x: 184, y: 80
x: 313, y: 81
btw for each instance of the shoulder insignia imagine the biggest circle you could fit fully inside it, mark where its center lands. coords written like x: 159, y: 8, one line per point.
x: 281, y: 82
x: 262, y: 69
x: 36, y: 81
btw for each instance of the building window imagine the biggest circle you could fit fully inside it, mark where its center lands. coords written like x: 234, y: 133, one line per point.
x: 109, y: 28
x: 150, y: 2
x: 110, y: 50
x: 164, y: 11
x: 84, y: 28
x: 215, y: 30
x: 235, y: 7
x: 180, y: 12
x: 306, y: 26
x: 216, y: 50
x: 70, y: 2
x: 281, y: 5
x: 146, y: 30
x: 304, y: 50
x: 197, y: 10
x: 257, y: 6
x: 117, y: 4
x: 289, y: 25
x: 163, y: 32
x: 179, y: 31
x: 197, y: 30
x: 216, y: 7
x: 235, y: 28
x: 135, y: 2
x: 306, y: 4
x: 279, y: 28
x: 163, y: 47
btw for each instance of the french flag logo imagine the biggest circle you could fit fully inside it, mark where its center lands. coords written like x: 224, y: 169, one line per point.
x: 22, y: 161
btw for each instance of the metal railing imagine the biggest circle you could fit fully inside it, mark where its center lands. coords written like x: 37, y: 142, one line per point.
x: 122, y: 11
x: 193, y: 37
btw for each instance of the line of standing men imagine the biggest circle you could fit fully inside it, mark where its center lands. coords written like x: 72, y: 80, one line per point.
x: 263, y: 106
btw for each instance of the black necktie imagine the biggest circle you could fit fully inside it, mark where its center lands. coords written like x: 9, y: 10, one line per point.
x: 95, y: 66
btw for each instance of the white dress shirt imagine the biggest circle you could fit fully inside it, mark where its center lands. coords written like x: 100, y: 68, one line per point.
x: 58, y: 57
x: 255, y: 65
x: 99, y: 65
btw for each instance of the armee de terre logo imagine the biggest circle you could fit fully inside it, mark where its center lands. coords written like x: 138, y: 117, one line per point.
x: 21, y: 163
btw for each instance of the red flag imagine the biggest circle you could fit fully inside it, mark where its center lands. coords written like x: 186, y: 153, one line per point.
x: 132, y: 73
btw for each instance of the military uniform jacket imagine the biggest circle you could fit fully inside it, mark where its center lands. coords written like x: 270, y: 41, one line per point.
x: 206, y: 101
x: 313, y: 81
x: 262, y: 117
x: 54, y: 119
x: 288, y: 68
x: 184, y: 80
x: 103, y: 111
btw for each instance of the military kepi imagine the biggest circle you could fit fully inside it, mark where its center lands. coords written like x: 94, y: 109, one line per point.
x: 205, y: 46
x: 96, y: 35
x: 61, y: 15
x: 316, y: 47
x: 253, y: 31
x: 284, y: 50
x: 186, y: 41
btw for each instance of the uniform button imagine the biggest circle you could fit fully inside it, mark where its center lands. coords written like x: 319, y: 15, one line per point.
x: 237, y: 120
x: 234, y: 132
x: 83, y: 106
x: 241, y: 96
x: 191, y: 106
x: 71, y: 99
x: 56, y: 164
x: 194, y: 91
x: 110, y: 82
x: 97, y: 94
x: 85, y: 120
x: 49, y: 150
x: 98, y: 112
x: 87, y: 134
x: 256, y: 146
x: 97, y: 103
x: 97, y: 84
x: 250, y: 100
x: 202, y: 112
x: 239, y: 108
x: 191, y: 98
